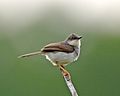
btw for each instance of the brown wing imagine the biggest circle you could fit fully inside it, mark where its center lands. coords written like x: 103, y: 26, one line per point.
x: 58, y: 47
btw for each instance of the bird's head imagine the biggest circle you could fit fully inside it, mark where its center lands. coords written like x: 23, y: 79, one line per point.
x: 74, y: 39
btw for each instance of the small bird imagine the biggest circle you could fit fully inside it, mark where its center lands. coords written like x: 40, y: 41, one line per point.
x: 61, y: 53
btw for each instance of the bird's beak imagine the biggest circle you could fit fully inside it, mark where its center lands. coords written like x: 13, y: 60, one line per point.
x: 79, y: 37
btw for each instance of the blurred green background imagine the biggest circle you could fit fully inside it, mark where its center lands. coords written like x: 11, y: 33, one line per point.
x: 26, y: 26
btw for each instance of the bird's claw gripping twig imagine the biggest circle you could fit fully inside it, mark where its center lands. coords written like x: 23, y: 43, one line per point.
x: 65, y: 72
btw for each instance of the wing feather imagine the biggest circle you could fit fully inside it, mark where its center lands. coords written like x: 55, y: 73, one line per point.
x: 58, y: 47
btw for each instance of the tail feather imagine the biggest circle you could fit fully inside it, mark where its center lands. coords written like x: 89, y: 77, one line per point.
x: 29, y: 54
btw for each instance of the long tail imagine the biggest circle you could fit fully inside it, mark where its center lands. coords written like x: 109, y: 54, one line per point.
x: 29, y: 54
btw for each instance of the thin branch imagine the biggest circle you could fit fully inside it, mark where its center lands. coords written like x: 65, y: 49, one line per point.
x: 70, y: 85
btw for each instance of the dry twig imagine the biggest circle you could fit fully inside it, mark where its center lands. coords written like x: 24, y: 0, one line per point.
x: 70, y: 84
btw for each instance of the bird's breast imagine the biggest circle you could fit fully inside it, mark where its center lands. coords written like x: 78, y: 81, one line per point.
x: 62, y: 57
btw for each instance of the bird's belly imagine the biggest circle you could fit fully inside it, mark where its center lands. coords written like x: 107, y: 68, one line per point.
x: 61, y: 57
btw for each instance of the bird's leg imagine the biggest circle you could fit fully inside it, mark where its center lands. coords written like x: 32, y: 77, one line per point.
x: 65, y: 72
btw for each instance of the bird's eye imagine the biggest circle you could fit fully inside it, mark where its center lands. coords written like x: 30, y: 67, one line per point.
x: 74, y: 38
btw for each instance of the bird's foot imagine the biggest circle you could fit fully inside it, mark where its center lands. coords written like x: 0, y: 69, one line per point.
x: 65, y: 72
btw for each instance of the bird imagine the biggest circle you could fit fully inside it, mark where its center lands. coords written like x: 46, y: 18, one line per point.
x: 61, y: 53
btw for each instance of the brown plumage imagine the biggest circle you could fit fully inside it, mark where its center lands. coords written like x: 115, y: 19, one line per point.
x: 58, y: 47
